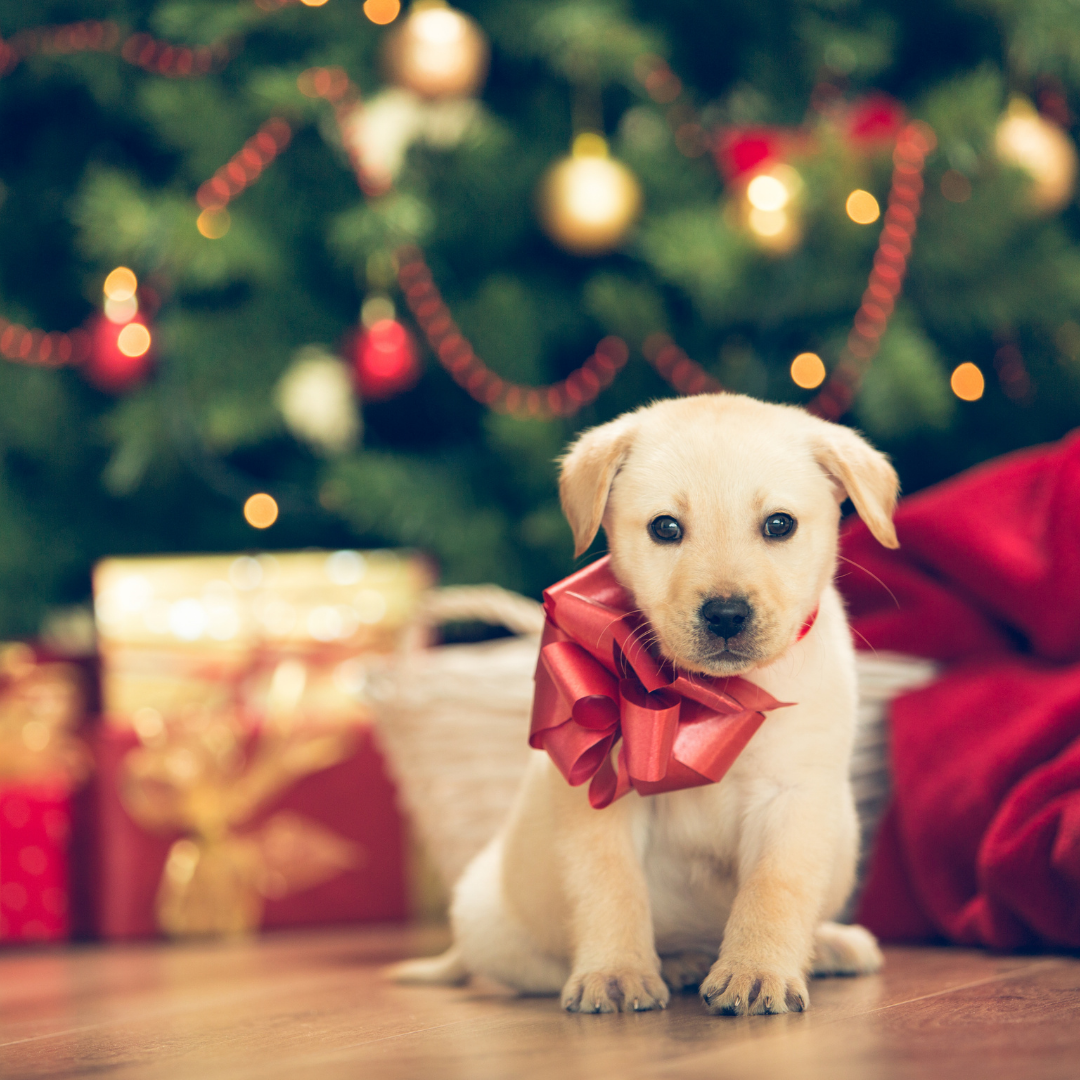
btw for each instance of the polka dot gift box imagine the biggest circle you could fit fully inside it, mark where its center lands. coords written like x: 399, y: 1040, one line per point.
x: 41, y: 765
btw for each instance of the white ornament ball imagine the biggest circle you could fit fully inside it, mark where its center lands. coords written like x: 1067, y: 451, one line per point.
x: 438, y: 52
x: 1043, y: 150
x: 317, y: 402
x: 380, y: 131
x: 588, y: 202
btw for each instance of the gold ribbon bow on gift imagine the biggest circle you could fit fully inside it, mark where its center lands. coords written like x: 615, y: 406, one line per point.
x: 209, y: 775
x: 40, y: 702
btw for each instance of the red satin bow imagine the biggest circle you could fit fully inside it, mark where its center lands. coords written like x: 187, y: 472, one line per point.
x: 597, y: 681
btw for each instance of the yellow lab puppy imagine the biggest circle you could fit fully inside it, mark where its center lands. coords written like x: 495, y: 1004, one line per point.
x: 721, y: 514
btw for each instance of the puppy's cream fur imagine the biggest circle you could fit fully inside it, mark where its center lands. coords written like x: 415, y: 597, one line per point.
x: 730, y: 885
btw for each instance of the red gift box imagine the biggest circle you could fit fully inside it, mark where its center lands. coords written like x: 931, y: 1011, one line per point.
x: 35, y: 821
x: 350, y: 804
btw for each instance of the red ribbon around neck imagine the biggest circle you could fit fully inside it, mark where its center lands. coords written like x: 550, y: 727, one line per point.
x: 597, y: 682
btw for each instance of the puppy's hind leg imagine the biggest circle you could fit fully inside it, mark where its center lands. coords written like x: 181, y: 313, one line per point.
x: 845, y: 950
x: 493, y: 942
x: 445, y: 970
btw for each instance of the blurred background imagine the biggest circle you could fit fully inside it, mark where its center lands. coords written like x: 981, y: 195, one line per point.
x: 219, y: 219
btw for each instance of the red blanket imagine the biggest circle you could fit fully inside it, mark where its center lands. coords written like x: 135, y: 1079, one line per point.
x: 981, y: 844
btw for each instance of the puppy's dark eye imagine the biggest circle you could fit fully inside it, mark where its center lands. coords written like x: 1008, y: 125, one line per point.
x: 665, y: 529
x: 778, y: 526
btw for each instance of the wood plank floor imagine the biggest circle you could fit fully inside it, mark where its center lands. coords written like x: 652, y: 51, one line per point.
x: 313, y: 1004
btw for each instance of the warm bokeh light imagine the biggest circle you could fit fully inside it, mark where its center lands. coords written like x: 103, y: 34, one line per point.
x: 767, y: 193
x: 862, y: 207
x: 767, y: 222
x: 121, y: 311
x: 261, y: 511
x: 213, y: 222
x: 133, y: 340
x: 313, y: 3
x: 121, y: 284
x: 967, y: 382
x: 589, y: 144
x: 807, y: 370
x: 382, y: 12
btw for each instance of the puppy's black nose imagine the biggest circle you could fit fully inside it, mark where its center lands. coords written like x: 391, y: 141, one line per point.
x: 726, y: 617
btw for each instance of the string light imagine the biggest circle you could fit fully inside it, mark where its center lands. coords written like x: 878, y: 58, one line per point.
x: 807, y: 370
x: 769, y: 207
x: 967, y: 382
x: 133, y: 340
x: 862, y: 207
x: 767, y: 193
x: 121, y: 311
x: 213, y: 222
x: 121, y: 284
x: 382, y: 12
x: 261, y: 511
x: 768, y: 223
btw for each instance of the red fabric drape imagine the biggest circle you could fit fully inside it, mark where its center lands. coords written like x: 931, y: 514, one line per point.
x: 981, y: 844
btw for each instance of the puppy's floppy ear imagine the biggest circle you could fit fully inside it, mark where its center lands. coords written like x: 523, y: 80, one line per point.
x: 863, y: 473
x: 588, y: 468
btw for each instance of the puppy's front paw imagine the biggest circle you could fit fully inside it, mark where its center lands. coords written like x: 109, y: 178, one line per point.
x: 621, y: 990
x: 740, y: 991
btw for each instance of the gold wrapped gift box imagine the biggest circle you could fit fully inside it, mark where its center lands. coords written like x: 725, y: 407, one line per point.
x: 270, y: 632
x: 237, y: 763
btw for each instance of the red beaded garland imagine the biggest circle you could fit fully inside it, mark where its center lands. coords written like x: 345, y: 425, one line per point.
x: 453, y: 351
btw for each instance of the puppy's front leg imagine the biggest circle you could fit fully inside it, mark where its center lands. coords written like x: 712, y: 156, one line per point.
x: 786, y: 859
x: 614, y: 963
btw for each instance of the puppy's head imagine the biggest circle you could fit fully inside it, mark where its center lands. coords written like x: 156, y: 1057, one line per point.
x: 721, y: 515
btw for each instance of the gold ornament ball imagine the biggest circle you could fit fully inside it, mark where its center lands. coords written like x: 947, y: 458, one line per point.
x: 588, y: 202
x: 1043, y: 150
x: 437, y: 52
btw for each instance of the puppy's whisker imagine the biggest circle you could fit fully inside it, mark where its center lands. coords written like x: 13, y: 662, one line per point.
x: 859, y: 566
x: 863, y: 636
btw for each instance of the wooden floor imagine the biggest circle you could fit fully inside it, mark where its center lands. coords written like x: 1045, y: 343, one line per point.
x: 314, y: 1005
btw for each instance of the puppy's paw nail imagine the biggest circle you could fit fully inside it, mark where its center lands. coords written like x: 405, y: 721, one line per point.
x: 742, y: 992
x: 622, y: 990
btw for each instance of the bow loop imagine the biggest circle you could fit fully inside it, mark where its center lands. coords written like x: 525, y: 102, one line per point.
x: 650, y: 722
x: 597, y: 683
x: 586, y: 686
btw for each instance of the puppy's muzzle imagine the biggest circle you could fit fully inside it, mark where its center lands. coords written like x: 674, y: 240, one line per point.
x: 726, y: 617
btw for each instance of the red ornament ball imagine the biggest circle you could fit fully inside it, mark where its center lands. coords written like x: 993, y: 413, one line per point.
x: 121, y: 354
x: 874, y: 122
x: 386, y: 360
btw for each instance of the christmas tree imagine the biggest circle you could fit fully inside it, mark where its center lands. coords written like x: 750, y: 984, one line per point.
x: 744, y: 157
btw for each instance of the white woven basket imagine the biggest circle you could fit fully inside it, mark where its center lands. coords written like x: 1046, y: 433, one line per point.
x: 454, y: 722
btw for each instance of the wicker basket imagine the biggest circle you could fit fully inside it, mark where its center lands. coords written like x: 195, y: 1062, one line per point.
x: 454, y: 719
